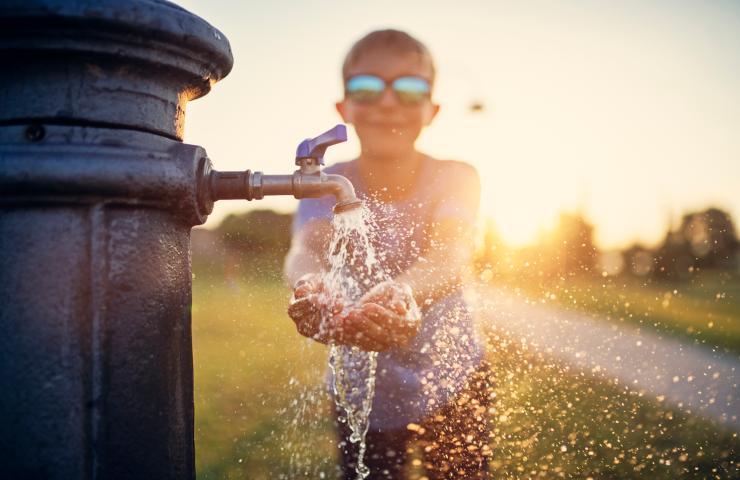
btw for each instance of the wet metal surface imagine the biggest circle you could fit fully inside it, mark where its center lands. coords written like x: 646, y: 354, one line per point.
x: 97, y: 199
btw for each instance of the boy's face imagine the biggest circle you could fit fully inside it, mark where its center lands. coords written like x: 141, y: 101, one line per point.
x: 387, y: 127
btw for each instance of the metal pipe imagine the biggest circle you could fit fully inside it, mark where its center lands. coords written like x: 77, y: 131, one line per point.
x: 306, y: 182
x: 248, y: 185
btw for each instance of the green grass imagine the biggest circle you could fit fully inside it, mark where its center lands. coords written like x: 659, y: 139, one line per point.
x: 552, y: 422
x: 258, y: 385
x: 262, y: 412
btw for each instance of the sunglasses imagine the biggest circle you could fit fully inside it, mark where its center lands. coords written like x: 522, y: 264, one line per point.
x: 409, y: 90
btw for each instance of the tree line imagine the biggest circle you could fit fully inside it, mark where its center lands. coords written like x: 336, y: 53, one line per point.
x: 255, y: 242
x: 704, y: 240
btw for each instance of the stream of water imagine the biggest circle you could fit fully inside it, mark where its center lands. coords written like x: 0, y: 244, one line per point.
x: 354, y: 269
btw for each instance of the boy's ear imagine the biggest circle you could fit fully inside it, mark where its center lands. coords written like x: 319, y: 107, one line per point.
x: 431, y: 111
x: 342, y: 109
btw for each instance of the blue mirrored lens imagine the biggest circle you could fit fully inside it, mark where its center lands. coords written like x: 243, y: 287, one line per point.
x: 411, y: 89
x: 411, y: 84
x: 365, y: 88
x: 369, y: 88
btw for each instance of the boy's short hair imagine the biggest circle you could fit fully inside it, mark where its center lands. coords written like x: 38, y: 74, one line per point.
x: 389, y: 40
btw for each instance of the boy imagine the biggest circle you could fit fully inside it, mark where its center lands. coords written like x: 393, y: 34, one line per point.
x: 431, y: 387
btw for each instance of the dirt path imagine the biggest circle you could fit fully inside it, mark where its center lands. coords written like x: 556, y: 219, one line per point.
x: 691, y: 377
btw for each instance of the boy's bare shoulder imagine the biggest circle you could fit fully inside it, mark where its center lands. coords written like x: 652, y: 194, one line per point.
x: 447, y: 169
x: 339, y: 167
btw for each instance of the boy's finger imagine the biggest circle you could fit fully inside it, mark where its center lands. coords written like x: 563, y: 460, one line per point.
x: 357, y: 325
x: 321, y: 337
x: 305, y: 328
x: 304, y: 304
x: 380, y: 314
x: 398, y: 306
x: 372, y: 297
x: 307, y: 325
x: 301, y: 282
x: 380, y: 293
x: 365, y: 343
x: 301, y: 291
x: 305, y: 283
x: 337, y: 306
x: 356, y: 336
x: 390, y: 321
x: 297, y: 312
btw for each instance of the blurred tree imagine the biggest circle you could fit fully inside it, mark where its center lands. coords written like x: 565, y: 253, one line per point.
x: 673, y: 259
x: 491, y: 249
x: 711, y: 237
x: 257, y: 232
x: 253, y: 243
x: 704, y: 240
x: 638, y: 260
x: 571, y: 250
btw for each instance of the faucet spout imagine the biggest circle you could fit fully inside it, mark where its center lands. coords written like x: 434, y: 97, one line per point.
x: 344, y: 192
x: 248, y: 185
x: 313, y: 185
x: 306, y: 182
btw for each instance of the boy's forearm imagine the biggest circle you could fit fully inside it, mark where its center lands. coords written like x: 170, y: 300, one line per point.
x: 434, y: 278
x: 306, y: 252
x: 298, y: 265
x: 444, y: 267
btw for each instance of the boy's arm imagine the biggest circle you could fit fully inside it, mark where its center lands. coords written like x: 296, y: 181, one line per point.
x: 307, y: 251
x: 445, y: 264
x: 444, y: 267
x: 305, y: 257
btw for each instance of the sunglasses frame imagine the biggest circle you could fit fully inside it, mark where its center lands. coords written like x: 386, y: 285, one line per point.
x: 398, y: 93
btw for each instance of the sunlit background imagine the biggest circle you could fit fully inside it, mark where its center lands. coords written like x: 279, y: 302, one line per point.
x: 607, y: 279
x: 627, y: 112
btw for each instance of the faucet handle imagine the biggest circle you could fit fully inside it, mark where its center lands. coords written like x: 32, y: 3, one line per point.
x: 316, y: 147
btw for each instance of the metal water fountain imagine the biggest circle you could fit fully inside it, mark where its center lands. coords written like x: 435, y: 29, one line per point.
x: 97, y: 198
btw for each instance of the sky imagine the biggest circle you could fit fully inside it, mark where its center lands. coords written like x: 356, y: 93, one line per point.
x: 625, y: 111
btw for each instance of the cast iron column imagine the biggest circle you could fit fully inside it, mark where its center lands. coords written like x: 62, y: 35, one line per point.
x: 97, y: 198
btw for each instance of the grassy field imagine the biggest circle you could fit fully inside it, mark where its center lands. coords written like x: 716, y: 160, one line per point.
x: 259, y: 402
x: 551, y: 422
x: 704, y: 310
x: 262, y: 411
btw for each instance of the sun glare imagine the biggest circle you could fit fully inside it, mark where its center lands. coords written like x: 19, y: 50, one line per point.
x: 605, y: 112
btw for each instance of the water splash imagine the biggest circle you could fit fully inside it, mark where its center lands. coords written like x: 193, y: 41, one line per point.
x: 354, y: 269
x: 354, y: 389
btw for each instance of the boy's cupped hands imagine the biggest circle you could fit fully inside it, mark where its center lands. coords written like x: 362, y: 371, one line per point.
x: 385, y: 317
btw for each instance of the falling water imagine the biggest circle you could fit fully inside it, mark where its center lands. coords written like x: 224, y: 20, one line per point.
x: 354, y: 269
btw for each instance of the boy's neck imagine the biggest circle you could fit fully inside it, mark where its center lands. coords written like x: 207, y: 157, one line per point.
x: 390, y: 178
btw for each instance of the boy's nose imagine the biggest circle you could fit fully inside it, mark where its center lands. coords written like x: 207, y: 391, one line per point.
x: 388, y: 99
